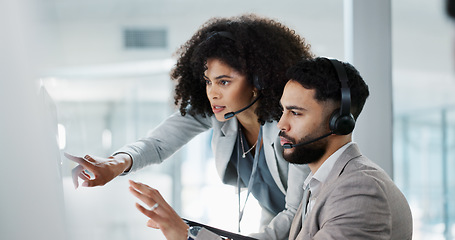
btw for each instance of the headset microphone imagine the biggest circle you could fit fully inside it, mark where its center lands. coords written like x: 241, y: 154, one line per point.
x: 258, y: 85
x: 289, y: 145
x: 231, y: 114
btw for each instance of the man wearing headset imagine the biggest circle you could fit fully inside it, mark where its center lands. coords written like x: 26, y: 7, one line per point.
x: 346, y: 196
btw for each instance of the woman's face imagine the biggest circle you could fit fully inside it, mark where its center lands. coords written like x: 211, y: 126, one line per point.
x: 227, y: 89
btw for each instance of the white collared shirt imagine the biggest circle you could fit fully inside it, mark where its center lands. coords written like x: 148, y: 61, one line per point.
x: 317, y: 179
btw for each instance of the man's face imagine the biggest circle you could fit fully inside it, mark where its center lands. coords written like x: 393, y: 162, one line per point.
x: 303, y: 119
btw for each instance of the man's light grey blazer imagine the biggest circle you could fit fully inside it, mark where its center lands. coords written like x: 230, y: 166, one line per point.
x: 177, y: 130
x: 357, y: 201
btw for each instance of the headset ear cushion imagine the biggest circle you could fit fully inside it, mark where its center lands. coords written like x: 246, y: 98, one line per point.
x: 341, y: 125
x: 257, y: 83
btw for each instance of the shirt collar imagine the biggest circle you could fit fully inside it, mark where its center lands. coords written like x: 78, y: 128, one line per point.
x: 323, y: 172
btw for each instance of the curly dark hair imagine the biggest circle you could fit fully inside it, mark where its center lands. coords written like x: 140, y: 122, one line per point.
x: 255, y: 46
x: 319, y: 74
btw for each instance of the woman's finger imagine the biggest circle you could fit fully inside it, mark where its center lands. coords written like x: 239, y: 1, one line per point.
x: 90, y: 159
x: 76, y: 159
x: 83, y: 161
x: 75, y: 173
x: 84, y: 176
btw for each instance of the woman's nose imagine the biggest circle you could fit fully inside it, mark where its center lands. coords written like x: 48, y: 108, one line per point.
x: 213, y: 92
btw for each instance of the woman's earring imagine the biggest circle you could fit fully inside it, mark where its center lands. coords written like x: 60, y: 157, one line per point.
x: 254, y: 93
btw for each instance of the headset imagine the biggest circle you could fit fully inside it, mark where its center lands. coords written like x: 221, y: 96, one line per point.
x: 341, y: 121
x: 225, y: 34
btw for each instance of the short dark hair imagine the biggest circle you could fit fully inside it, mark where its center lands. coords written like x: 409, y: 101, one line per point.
x: 319, y: 74
x: 450, y: 8
x: 255, y: 46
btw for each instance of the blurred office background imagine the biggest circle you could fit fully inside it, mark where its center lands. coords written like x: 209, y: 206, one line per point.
x: 108, y: 69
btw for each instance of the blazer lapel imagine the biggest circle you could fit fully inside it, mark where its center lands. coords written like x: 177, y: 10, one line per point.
x: 296, y: 226
x: 350, y: 153
x: 223, y: 140
x: 274, y: 154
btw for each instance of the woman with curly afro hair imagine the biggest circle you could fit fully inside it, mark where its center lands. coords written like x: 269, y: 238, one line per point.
x: 229, y: 77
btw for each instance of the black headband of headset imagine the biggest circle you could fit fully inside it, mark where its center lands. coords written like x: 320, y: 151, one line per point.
x: 345, y: 109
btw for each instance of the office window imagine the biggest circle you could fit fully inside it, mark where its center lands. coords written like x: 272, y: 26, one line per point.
x: 424, y: 82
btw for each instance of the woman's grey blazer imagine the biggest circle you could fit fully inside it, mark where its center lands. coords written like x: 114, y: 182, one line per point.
x: 177, y: 130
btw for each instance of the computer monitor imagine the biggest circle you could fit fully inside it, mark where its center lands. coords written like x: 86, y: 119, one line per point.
x: 31, y: 202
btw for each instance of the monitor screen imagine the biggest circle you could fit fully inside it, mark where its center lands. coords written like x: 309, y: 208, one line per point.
x: 31, y: 202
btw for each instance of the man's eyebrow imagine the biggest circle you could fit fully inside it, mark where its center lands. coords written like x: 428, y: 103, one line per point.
x: 292, y: 107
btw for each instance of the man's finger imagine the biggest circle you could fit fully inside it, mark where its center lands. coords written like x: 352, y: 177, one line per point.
x: 147, y: 200
x: 151, y: 214
x: 152, y: 224
x: 150, y: 193
x: 144, y: 189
